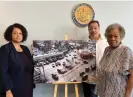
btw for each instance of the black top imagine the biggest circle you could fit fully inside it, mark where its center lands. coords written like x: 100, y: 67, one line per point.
x: 27, y: 85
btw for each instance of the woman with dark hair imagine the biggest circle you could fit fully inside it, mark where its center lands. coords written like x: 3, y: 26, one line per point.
x: 16, y: 63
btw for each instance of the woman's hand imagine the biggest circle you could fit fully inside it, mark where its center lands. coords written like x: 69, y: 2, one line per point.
x: 9, y: 93
x: 127, y: 95
x: 129, y: 84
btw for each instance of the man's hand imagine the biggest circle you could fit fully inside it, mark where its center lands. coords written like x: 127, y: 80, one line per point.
x: 92, y: 79
x: 131, y: 71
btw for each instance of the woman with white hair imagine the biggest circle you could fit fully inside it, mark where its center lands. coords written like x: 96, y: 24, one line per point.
x: 115, y: 70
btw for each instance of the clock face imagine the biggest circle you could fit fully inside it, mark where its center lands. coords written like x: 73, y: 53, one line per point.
x: 82, y: 14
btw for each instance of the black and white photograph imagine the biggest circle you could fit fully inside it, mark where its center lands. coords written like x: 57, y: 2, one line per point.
x: 63, y: 60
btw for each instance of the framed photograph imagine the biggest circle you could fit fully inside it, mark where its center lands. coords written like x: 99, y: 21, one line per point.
x: 63, y: 61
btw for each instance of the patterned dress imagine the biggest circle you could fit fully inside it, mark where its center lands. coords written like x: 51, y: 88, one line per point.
x: 113, y: 70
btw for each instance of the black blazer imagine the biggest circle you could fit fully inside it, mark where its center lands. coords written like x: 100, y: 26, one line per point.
x: 11, y: 67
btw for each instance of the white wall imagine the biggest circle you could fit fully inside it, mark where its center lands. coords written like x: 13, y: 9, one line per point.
x: 51, y: 20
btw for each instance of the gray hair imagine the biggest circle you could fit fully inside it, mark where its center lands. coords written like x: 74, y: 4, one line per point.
x: 113, y: 26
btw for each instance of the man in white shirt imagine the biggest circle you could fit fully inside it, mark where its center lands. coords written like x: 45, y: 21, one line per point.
x: 101, y: 44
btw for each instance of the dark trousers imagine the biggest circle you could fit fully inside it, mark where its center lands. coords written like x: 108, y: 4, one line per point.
x: 88, y: 90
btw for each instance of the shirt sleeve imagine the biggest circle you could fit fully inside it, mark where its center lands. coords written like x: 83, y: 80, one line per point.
x: 4, y: 69
x: 126, y: 61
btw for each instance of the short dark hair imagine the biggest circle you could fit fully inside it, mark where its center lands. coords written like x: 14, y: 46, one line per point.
x: 8, y: 32
x: 93, y: 21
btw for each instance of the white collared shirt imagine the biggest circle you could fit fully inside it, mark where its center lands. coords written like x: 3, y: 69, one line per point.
x: 101, y: 44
